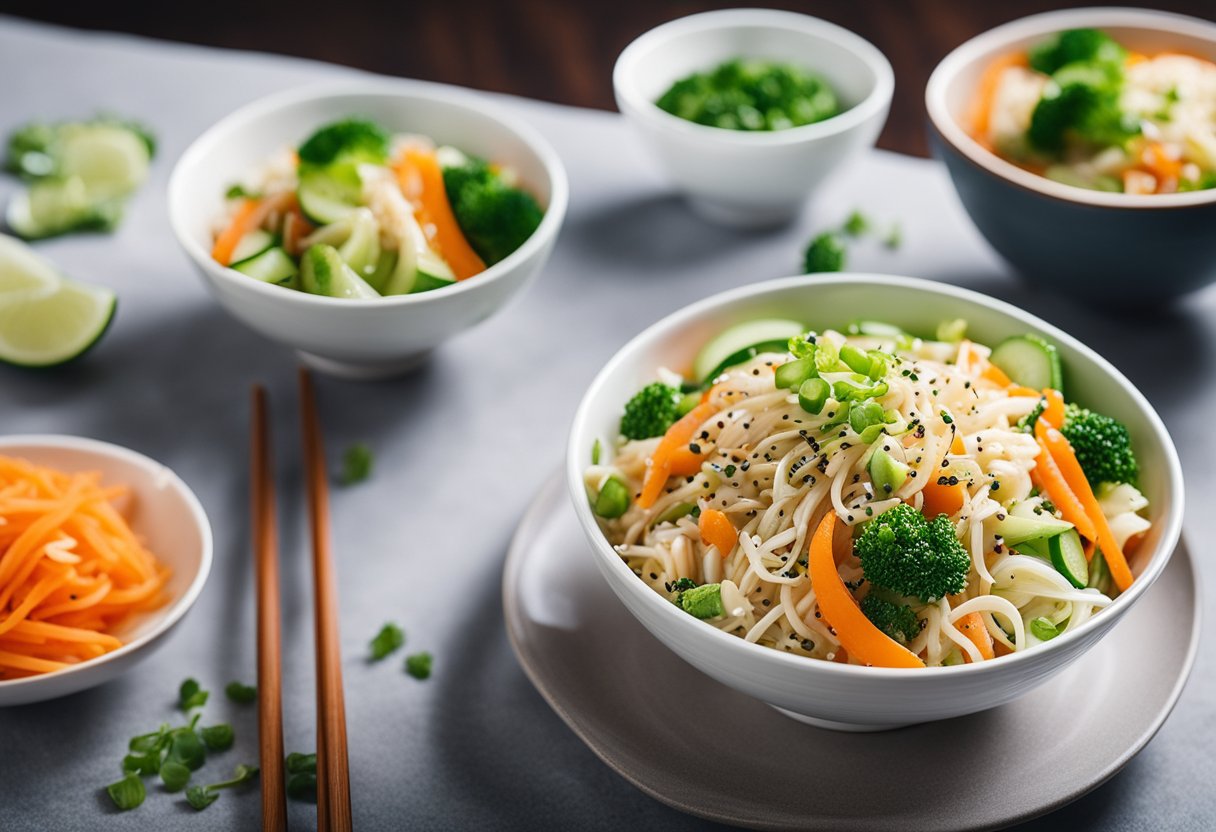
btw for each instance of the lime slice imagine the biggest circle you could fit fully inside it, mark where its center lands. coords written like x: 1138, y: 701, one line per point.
x: 112, y: 161
x: 56, y: 206
x: 42, y: 330
x: 22, y: 271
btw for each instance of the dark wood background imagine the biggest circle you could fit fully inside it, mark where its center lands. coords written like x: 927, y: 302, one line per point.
x: 556, y: 50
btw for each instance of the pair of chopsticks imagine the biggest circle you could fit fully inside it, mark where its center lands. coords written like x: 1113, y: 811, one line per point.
x: 333, y: 768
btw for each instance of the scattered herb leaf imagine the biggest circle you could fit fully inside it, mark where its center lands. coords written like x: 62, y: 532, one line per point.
x: 242, y: 693
x: 389, y: 639
x: 191, y: 695
x: 356, y: 464
x: 128, y: 792
x: 418, y: 665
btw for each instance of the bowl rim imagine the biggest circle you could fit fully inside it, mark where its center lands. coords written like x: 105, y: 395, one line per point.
x: 406, y: 90
x: 691, y: 628
x: 171, y: 614
x: 991, y: 42
x: 876, y: 101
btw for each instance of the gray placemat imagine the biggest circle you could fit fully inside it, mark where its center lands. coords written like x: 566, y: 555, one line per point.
x: 460, y: 447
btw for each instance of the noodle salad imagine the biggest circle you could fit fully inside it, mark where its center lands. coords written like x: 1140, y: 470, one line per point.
x: 871, y: 497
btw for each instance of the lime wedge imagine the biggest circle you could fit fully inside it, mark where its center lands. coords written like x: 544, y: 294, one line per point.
x: 45, y: 319
x: 56, y: 206
x: 23, y: 271
x: 112, y: 161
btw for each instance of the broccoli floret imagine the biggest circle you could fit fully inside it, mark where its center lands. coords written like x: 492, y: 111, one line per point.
x: 349, y: 140
x: 1102, y: 444
x: 903, y: 552
x: 1073, y: 46
x: 826, y: 253
x: 702, y: 601
x: 650, y: 412
x: 496, y: 218
x: 1026, y: 423
x: 899, y: 621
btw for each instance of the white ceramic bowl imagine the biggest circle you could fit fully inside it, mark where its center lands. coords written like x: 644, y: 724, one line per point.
x: 381, y: 336
x: 753, y: 178
x: 846, y: 696
x: 164, y: 512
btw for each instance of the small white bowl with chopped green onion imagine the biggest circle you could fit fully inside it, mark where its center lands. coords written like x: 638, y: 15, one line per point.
x: 365, y: 223
x: 750, y: 110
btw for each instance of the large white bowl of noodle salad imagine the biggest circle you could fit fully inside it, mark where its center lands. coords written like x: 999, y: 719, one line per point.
x: 871, y: 501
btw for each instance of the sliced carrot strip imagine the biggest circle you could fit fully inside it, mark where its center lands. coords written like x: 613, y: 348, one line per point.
x: 863, y: 641
x: 942, y: 499
x: 243, y: 221
x: 437, y: 212
x: 1047, y: 474
x: 972, y: 626
x: 1070, y: 469
x: 1053, y: 413
x: 717, y: 530
x: 678, y: 436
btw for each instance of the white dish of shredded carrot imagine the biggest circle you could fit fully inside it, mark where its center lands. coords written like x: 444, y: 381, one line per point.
x: 102, y: 550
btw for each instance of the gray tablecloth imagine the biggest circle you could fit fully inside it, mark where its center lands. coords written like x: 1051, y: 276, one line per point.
x: 460, y: 448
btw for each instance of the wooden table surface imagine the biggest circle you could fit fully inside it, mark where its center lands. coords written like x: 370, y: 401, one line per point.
x: 555, y: 50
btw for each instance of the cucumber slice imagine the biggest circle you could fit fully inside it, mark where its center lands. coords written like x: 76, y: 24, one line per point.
x: 1039, y: 548
x: 328, y: 196
x: 56, y: 206
x: 274, y: 265
x: 1068, y: 557
x: 385, y: 266
x: 743, y: 341
x: 428, y: 283
x: 324, y: 272
x: 876, y: 329
x: 1014, y: 529
x: 1030, y: 361
x: 112, y: 160
x: 44, y: 329
x: 22, y: 271
x: 251, y: 245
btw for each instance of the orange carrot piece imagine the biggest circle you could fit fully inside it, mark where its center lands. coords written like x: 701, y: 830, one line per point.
x: 243, y: 221
x: 1047, y: 473
x: 863, y: 641
x: 972, y: 626
x: 942, y: 499
x: 996, y: 375
x: 957, y: 447
x: 985, y: 94
x: 678, y: 436
x: 684, y: 463
x: 1053, y: 413
x: 1070, y: 469
x: 433, y: 197
x: 717, y: 530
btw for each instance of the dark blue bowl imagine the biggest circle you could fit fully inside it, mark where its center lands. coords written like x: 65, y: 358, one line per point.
x: 1109, y: 248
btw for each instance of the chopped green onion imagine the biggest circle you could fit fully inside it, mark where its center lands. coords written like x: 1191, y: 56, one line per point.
x: 238, y: 692
x: 127, y: 793
x: 174, y: 775
x: 596, y: 448
x: 390, y: 638
x: 952, y: 331
x: 200, y: 797
x: 191, y: 695
x: 863, y: 415
x: 813, y: 395
x: 856, y: 359
x: 419, y: 665
x: 880, y: 364
x: 356, y: 464
x: 613, y: 499
x: 218, y: 737
x: 1044, y: 629
x: 791, y: 374
x: 827, y: 357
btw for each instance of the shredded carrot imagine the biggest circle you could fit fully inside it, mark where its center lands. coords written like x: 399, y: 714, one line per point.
x: 1070, y: 469
x: 1053, y: 413
x: 863, y: 641
x: 717, y: 530
x: 243, y: 221
x: 996, y: 375
x: 676, y: 438
x: 1047, y: 473
x: 972, y: 626
x: 71, y: 569
x: 419, y: 175
x: 1025, y: 392
x: 985, y: 94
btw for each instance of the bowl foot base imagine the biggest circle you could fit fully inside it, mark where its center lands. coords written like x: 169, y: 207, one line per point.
x: 364, y: 371
x: 831, y: 725
x: 743, y: 216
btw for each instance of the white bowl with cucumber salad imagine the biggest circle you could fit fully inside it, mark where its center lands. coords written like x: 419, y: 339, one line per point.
x: 359, y: 248
x: 878, y: 432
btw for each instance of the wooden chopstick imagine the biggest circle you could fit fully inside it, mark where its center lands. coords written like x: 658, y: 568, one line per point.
x: 333, y: 765
x: 266, y: 571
